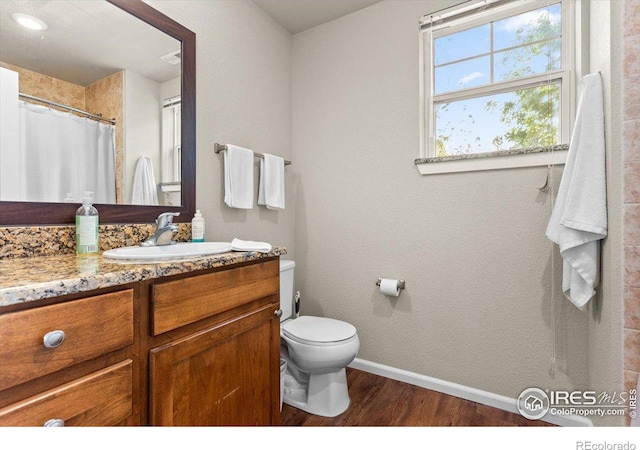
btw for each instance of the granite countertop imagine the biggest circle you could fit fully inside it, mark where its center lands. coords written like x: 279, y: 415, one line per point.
x: 39, y: 277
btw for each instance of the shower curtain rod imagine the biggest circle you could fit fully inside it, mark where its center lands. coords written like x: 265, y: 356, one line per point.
x: 60, y: 105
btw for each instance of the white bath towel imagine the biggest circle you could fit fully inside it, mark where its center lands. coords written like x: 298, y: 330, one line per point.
x: 238, y: 177
x: 579, y: 218
x: 271, y: 188
x: 239, y: 245
x: 145, y: 190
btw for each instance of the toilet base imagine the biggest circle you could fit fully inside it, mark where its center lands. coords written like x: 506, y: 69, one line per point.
x: 323, y: 395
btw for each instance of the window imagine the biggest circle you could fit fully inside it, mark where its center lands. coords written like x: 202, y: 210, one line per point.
x: 171, y: 140
x: 497, y: 79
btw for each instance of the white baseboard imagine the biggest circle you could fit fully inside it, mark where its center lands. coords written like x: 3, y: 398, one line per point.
x: 461, y: 391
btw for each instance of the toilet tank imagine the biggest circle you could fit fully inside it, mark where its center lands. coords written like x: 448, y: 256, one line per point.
x: 286, y: 288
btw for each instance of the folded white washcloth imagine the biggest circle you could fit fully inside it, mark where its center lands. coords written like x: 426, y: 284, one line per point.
x: 239, y: 245
x: 271, y: 188
x: 238, y: 177
x: 579, y: 218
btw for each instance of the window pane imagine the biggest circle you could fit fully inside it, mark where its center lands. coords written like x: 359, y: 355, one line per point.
x: 543, y: 23
x: 524, y: 118
x: 528, y: 60
x: 473, y: 72
x: 465, y: 44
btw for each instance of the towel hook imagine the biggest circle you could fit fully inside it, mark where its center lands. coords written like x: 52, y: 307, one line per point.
x: 545, y: 186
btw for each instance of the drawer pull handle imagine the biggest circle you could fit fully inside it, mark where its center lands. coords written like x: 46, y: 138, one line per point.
x: 53, y: 339
x: 278, y: 313
x: 54, y: 423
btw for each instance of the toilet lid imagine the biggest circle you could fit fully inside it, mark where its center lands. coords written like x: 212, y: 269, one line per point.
x: 318, y: 329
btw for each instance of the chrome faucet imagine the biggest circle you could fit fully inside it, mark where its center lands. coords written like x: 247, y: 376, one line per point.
x: 165, y: 230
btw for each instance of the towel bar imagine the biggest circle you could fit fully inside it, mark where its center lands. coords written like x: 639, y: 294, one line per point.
x: 217, y: 148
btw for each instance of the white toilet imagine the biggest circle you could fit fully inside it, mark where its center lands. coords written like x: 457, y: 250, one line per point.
x: 317, y: 350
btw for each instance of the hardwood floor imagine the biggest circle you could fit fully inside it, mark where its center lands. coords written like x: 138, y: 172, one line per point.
x: 379, y: 401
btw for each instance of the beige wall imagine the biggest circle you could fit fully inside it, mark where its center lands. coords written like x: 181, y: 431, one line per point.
x: 478, y: 305
x: 243, y: 89
x: 143, y: 128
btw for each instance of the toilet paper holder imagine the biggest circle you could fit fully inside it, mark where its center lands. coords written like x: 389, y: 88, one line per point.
x: 400, y: 283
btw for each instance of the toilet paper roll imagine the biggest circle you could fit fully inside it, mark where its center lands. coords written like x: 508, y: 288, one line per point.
x: 389, y: 287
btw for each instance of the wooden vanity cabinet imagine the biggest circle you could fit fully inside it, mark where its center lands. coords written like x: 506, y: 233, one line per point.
x: 219, y: 364
x: 69, y: 363
x: 201, y: 348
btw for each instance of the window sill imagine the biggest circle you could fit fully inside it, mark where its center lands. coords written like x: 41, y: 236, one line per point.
x: 508, y: 159
x: 171, y: 186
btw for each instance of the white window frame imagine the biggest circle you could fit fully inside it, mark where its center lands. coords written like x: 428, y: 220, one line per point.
x: 473, y: 14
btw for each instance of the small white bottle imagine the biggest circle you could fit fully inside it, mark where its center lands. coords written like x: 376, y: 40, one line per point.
x: 87, y: 226
x: 197, y: 227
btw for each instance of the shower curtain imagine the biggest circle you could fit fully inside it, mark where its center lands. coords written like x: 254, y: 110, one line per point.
x: 62, y: 154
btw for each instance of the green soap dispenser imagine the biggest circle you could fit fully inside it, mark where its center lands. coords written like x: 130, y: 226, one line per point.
x: 87, y: 226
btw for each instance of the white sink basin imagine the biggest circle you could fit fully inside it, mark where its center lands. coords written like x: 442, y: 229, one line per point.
x: 166, y: 252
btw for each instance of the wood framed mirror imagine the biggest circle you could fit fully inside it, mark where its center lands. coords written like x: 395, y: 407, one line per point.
x: 27, y: 213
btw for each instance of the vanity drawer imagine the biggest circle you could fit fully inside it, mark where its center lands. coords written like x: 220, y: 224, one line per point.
x: 178, y: 303
x: 102, y: 398
x: 92, y: 327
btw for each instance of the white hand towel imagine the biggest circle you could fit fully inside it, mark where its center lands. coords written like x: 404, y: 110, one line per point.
x: 239, y: 245
x: 144, y: 190
x: 579, y: 218
x: 271, y: 188
x: 238, y: 177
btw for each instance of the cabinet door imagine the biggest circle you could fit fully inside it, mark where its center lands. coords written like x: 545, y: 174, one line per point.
x: 224, y: 375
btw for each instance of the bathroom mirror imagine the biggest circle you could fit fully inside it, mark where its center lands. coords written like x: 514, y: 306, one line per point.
x: 147, y: 63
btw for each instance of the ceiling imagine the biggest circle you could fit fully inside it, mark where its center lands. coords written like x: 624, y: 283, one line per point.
x: 300, y: 15
x: 85, y: 41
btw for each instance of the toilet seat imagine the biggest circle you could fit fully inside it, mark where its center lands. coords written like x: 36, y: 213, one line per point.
x: 320, y: 331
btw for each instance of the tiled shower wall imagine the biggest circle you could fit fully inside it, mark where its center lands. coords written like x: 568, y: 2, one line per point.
x: 631, y: 139
x: 106, y: 97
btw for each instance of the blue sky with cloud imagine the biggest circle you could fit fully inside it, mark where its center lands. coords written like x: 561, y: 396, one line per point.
x: 452, y: 74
